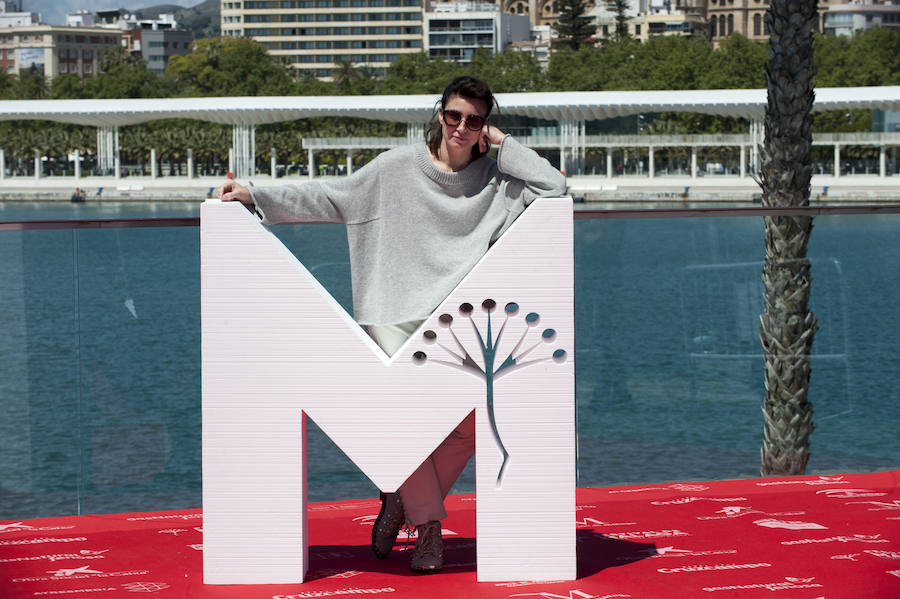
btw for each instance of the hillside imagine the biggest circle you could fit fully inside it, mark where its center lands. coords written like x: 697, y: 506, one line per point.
x: 202, y: 19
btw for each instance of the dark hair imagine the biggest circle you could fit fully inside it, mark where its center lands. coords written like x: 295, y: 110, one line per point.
x: 466, y: 87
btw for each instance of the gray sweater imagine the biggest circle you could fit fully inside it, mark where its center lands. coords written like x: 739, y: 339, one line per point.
x: 414, y: 230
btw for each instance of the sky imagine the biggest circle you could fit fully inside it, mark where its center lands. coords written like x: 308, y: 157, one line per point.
x: 53, y: 12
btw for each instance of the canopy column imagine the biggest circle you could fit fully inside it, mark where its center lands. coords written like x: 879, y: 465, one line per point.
x: 415, y: 132
x: 243, y: 144
x: 882, y: 162
x: 311, y: 162
x: 837, y: 160
x: 77, y: 155
x: 190, y: 164
x: 652, y: 163
x: 571, y: 146
x: 757, y: 138
x: 743, y: 161
x: 2, y: 165
x: 349, y: 162
x: 609, y: 163
x: 107, y: 148
x: 273, y: 163
x: 37, y: 164
x: 693, y: 162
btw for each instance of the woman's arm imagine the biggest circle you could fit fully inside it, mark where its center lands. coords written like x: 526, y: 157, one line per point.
x: 536, y: 177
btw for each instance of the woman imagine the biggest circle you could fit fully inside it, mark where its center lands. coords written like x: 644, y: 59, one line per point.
x: 418, y: 219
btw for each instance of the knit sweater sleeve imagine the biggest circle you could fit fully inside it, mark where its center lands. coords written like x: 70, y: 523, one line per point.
x: 527, y: 174
x: 349, y: 200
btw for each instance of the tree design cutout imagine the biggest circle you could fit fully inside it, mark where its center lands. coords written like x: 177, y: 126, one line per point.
x: 459, y: 357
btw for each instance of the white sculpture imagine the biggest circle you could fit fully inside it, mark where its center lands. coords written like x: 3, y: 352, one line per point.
x: 276, y: 347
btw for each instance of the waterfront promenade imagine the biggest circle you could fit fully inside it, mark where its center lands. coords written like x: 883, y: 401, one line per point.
x: 825, y: 189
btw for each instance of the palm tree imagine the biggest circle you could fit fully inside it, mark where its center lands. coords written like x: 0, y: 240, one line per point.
x: 787, y: 326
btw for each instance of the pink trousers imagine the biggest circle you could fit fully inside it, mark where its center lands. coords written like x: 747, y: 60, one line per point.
x: 424, y: 491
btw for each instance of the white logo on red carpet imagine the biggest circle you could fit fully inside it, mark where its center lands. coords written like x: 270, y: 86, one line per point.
x: 172, y: 531
x: 78, y: 573
x: 881, y: 505
x: 894, y: 573
x: 526, y: 583
x: 840, y: 539
x: 873, y: 552
x: 336, y: 593
x: 22, y: 527
x: 42, y: 540
x: 594, y: 523
x: 822, y: 480
x: 196, y: 546
x: 670, y: 551
x: 573, y: 594
x: 849, y: 493
x: 73, y: 571
x: 688, y: 488
x: 145, y: 587
x: 788, y: 524
x: 684, y: 500
x: 788, y: 584
x: 649, y: 534
x: 53, y: 557
x: 738, y: 511
x: 711, y: 567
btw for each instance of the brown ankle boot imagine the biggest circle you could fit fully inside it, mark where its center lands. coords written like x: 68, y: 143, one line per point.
x: 387, y: 525
x: 429, y: 554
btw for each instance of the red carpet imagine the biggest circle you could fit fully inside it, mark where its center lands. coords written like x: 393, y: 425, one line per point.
x: 807, y: 537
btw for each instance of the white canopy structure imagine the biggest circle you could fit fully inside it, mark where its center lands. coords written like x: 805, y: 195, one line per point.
x: 570, y: 109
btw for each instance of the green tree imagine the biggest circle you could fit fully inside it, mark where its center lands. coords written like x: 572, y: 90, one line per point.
x: 123, y: 75
x: 229, y: 66
x: 509, y: 71
x: 787, y: 326
x: 418, y: 74
x: 739, y: 63
x: 572, y: 26
x: 30, y: 85
x: 619, y: 8
x: 67, y: 86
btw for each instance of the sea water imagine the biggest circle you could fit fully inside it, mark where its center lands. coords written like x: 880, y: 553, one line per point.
x: 100, y: 347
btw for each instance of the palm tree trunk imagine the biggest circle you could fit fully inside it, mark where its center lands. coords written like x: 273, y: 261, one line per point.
x: 787, y: 326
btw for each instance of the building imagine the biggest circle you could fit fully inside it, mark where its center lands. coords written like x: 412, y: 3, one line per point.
x: 316, y: 36
x: 538, y: 46
x: 455, y: 30
x: 541, y: 12
x: 656, y: 17
x: 11, y: 15
x: 747, y: 17
x: 154, y: 40
x: 844, y: 19
x: 52, y: 50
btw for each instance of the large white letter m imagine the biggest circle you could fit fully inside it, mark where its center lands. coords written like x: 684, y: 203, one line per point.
x: 276, y: 347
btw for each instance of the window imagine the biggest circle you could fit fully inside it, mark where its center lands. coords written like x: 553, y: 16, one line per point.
x: 757, y: 24
x: 730, y: 24
x: 712, y: 27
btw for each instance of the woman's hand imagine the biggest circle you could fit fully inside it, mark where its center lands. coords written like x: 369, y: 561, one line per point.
x: 490, y: 135
x: 231, y: 191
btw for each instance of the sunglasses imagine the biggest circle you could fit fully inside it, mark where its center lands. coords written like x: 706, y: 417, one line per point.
x: 474, y: 122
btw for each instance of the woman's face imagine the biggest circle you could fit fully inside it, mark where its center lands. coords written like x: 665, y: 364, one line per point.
x: 461, y: 138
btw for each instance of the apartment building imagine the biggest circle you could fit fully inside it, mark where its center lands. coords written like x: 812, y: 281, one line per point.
x: 315, y: 36
x: 154, y: 40
x: 844, y: 19
x: 52, y: 50
x: 747, y: 17
x: 455, y: 30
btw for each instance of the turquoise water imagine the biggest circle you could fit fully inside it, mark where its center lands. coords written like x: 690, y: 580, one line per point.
x: 100, y: 345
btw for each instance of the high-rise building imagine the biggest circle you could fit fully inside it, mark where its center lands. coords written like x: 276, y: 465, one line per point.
x: 455, y: 30
x: 316, y: 36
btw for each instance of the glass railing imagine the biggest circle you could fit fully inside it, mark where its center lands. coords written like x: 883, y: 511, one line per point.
x: 100, y: 347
